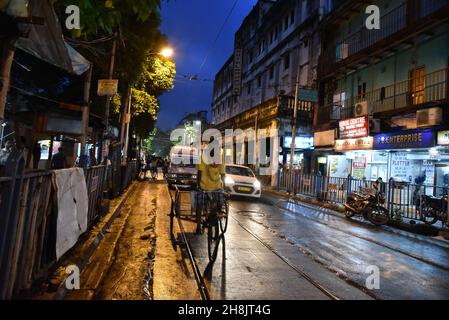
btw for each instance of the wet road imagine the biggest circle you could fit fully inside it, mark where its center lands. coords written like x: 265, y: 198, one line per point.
x: 279, y: 249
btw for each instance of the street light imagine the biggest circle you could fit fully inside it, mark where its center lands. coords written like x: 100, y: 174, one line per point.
x: 166, y: 52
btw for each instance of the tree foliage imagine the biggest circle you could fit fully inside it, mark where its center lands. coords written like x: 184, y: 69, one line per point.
x: 158, y: 143
x: 105, y: 17
x: 136, y: 22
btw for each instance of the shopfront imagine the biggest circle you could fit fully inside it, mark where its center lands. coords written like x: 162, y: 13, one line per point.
x: 442, y: 167
x: 415, y: 157
x: 353, y: 152
x: 356, y: 158
x: 303, y: 147
x: 323, y: 142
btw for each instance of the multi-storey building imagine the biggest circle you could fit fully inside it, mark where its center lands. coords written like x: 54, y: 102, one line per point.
x: 277, y: 44
x: 384, y: 92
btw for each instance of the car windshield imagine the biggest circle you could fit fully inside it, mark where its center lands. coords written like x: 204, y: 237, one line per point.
x: 239, y: 171
x: 183, y: 162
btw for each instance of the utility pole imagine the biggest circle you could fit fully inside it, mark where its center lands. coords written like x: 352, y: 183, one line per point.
x: 127, y: 122
x: 108, y: 98
x: 111, y: 74
x: 294, y: 120
x: 6, y: 76
x: 85, y: 118
x: 124, y: 122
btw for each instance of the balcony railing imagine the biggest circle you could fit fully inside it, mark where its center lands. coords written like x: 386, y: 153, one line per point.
x: 431, y: 6
x: 390, y: 23
x: 397, y: 96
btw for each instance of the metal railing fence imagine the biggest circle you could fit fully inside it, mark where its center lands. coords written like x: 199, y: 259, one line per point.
x: 402, y: 199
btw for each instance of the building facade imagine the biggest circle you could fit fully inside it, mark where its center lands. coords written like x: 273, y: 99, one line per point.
x: 384, y: 93
x: 277, y: 45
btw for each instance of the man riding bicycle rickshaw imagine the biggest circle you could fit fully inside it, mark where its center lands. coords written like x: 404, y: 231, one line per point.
x: 210, y: 181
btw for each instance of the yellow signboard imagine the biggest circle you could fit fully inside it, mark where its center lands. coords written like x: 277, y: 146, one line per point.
x: 354, y: 144
x: 107, y: 87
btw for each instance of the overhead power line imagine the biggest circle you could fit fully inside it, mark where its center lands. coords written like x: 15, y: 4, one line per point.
x: 219, y: 34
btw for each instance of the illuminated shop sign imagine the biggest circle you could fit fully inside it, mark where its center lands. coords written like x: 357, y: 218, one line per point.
x: 405, y: 140
x: 300, y: 142
x: 354, y: 128
x: 443, y: 138
x: 365, y: 143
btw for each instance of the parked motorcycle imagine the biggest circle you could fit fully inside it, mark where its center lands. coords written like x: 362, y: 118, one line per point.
x: 369, y: 205
x: 434, y: 209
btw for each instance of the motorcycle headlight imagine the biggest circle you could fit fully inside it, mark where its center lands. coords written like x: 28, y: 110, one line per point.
x: 229, y: 180
x: 257, y: 184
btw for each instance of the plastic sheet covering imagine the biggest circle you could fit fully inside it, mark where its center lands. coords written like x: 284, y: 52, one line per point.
x: 73, y: 205
x: 79, y: 64
x: 46, y: 41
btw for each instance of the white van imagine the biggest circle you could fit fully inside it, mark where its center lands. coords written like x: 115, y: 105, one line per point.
x: 182, y: 172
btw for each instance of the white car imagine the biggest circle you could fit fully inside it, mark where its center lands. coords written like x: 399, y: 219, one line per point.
x: 241, y: 181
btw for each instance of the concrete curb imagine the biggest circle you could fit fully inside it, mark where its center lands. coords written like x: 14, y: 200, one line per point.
x: 62, y: 291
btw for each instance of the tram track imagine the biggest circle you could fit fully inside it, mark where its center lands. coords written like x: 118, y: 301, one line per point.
x: 201, y: 284
x: 303, y: 274
x: 379, y: 243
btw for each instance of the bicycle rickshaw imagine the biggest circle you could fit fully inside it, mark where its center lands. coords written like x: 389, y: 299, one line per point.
x: 214, y: 214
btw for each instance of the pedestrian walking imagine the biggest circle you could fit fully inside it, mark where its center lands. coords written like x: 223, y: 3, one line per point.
x: 59, y: 160
x: 36, y: 155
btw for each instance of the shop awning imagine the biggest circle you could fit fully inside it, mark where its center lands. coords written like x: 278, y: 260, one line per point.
x: 46, y: 41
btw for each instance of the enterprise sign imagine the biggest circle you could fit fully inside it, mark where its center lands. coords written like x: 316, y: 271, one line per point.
x: 405, y: 140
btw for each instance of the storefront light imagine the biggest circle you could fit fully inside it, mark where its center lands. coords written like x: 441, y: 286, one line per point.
x: 322, y: 160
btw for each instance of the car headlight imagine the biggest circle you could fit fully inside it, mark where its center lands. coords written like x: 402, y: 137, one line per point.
x: 229, y: 180
x: 257, y: 184
x: 194, y: 177
x: 173, y: 175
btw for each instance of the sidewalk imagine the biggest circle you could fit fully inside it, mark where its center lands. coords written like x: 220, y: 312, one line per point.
x: 418, y: 228
x: 129, y: 255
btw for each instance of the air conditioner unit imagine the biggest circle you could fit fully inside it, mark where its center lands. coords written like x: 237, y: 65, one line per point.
x: 374, y: 126
x: 429, y: 117
x: 361, y: 109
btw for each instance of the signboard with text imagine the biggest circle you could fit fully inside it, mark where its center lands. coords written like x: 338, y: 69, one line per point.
x: 107, y: 87
x: 354, y: 128
x: 443, y: 138
x: 365, y: 143
x: 405, y: 140
x: 324, y: 138
x: 300, y: 142
x: 238, y: 60
x: 308, y: 95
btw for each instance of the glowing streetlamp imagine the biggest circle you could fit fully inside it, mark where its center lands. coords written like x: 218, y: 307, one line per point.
x: 166, y: 52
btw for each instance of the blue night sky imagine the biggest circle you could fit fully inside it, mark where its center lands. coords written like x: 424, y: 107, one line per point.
x: 191, y: 27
